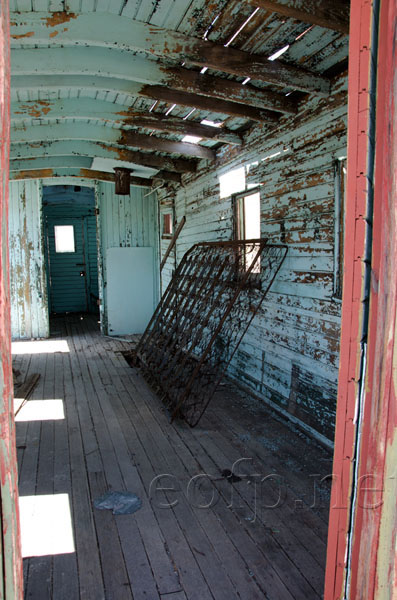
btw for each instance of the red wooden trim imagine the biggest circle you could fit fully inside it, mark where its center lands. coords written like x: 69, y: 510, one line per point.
x: 373, y: 550
x: 353, y: 294
x: 11, y: 578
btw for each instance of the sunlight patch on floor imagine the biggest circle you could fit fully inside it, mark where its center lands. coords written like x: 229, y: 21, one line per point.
x: 41, y: 410
x: 40, y: 347
x: 46, y: 525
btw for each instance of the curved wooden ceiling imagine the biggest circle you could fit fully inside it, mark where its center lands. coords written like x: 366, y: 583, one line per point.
x: 124, y: 81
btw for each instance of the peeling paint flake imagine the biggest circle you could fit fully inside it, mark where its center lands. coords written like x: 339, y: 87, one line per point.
x: 59, y: 18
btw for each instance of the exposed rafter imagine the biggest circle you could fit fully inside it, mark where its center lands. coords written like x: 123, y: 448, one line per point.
x: 107, y: 135
x: 81, y: 173
x: 90, y: 108
x: 104, y: 62
x: 158, y: 92
x: 100, y: 150
x: 113, y: 31
x: 81, y: 162
x: 89, y: 62
x: 332, y: 14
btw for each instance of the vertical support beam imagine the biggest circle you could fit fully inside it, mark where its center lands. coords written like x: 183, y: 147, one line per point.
x: 374, y: 532
x: 353, y: 307
x: 11, y: 580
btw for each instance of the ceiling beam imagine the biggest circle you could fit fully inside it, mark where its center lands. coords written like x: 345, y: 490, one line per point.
x: 101, y: 150
x: 332, y: 14
x: 107, y: 135
x: 81, y: 173
x: 90, y: 108
x: 233, y: 109
x: 55, y: 162
x: 45, y: 83
x: 121, y: 33
x: 141, y: 75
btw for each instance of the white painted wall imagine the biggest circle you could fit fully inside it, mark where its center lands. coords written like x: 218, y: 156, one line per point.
x: 29, y: 313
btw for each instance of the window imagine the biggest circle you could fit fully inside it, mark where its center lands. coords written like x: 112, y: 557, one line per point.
x: 232, y: 182
x: 247, y: 209
x: 64, y: 238
x: 340, y: 195
x: 167, y: 224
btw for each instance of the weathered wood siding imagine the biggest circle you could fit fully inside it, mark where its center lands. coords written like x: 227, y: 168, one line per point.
x: 29, y: 312
x: 124, y: 221
x: 289, y: 356
x: 11, y: 578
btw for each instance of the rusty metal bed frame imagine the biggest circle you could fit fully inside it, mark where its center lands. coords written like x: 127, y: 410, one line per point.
x: 201, y: 319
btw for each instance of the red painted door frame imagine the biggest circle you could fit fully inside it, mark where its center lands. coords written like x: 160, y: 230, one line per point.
x: 361, y: 561
x: 11, y: 581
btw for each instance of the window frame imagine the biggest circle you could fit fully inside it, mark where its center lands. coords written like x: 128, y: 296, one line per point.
x: 239, y: 223
x: 74, y: 239
x: 340, y: 178
x: 164, y: 217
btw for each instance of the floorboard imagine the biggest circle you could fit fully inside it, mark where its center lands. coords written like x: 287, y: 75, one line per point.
x: 198, y: 535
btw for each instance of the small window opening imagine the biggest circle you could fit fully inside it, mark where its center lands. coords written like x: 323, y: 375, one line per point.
x: 248, y: 225
x: 167, y: 224
x: 232, y: 182
x: 64, y: 238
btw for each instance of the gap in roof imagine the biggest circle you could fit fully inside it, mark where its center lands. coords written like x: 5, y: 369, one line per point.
x: 189, y: 113
x: 211, y: 123
x: 170, y: 110
x: 278, y: 53
x: 241, y: 28
x: 205, y: 36
x: 192, y: 139
x: 298, y: 37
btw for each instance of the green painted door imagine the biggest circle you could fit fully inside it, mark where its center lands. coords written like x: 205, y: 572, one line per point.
x: 68, y: 267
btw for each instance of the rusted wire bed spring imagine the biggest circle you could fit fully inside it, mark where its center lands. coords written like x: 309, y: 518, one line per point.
x: 210, y: 302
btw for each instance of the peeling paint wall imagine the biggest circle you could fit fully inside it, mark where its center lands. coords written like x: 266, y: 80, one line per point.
x: 289, y: 356
x: 124, y: 221
x: 29, y: 313
x: 11, y: 576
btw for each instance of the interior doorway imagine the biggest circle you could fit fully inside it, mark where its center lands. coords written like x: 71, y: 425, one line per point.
x: 71, y: 249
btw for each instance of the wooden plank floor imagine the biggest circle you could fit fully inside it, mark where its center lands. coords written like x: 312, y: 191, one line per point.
x: 198, y: 535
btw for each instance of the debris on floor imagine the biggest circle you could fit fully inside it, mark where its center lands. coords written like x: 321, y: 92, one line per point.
x: 24, y: 390
x: 121, y: 503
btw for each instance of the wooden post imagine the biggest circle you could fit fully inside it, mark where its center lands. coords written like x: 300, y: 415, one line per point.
x: 374, y: 529
x: 11, y: 577
x: 361, y: 561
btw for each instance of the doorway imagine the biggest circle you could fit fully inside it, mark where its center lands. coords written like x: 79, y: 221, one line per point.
x: 71, y: 249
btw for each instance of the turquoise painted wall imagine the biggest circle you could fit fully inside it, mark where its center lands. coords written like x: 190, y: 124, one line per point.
x: 123, y: 221
x: 126, y: 221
